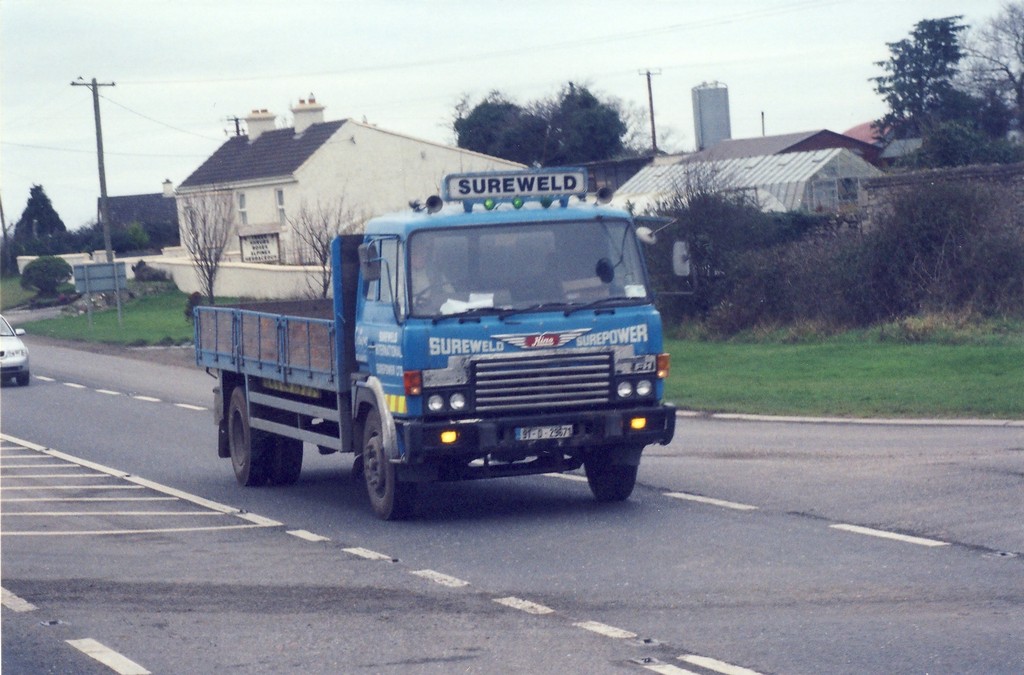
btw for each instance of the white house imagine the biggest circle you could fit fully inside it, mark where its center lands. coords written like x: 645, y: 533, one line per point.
x: 271, y: 173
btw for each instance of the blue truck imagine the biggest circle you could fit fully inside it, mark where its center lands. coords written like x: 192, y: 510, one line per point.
x: 504, y: 328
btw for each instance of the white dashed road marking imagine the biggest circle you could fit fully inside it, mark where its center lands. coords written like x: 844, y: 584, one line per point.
x: 14, y: 603
x: 883, y: 534
x: 524, y: 605
x: 367, y: 553
x: 307, y: 535
x: 716, y: 665
x: 606, y: 630
x: 713, y: 502
x: 439, y: 578
x: 108, y: 657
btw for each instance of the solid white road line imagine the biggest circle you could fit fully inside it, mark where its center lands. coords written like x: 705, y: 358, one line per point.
x: 713, y: 502
x: 14, y: 603
x: 189, y: 406
x: 52, y: 514
x: 438, y: 578
x: 716, y: 665
x: 524, y: 605
x: 108, y: 657
x: 606, y: 630
x: 164, y: 530
x: 883, y: 534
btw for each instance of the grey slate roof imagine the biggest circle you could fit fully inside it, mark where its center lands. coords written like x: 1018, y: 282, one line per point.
x: 145, y: 209
x: 275, y: 153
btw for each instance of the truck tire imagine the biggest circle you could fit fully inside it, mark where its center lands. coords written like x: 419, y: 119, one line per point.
x: 250, y: 448
x: 286, y: 461
x: 609, y: 482
x: 390, y: 498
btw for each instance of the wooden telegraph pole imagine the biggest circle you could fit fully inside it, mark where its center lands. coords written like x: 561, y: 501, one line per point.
x: 104, y: 219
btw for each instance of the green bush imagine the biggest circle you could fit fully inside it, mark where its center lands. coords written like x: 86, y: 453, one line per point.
x: 46, y: 274
x: 943, y: 249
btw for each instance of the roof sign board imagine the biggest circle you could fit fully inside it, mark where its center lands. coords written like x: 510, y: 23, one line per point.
x: 535, y: 184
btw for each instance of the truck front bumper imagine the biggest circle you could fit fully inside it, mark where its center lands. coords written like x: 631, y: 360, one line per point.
x: 425, y: 442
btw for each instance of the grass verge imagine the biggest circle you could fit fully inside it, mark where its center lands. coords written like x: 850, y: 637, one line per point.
x: 150, y: 320
x: 849, y: 378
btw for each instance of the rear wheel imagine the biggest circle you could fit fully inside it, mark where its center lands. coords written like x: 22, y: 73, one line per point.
x: 609, y: 482
x: 390, y: 498
x: 250, y: 448
x: 286, y: 461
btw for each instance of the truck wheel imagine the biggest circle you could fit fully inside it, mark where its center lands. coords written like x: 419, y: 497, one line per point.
x: 390, y: 498
x: 286, y: 464
x: 609, y: 482
x: 249, y: 447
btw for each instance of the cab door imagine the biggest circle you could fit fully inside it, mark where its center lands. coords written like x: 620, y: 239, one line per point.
x: 380, y: 329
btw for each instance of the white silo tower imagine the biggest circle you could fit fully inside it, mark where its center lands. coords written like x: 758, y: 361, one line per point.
x: 711, y: 114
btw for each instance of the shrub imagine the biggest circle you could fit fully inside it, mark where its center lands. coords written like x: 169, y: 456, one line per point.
x: 144, y: 272
x: 46, y: 274
x: 195, y: 299
x: 944, y: 249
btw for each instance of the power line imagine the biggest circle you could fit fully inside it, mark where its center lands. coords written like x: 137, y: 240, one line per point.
x: 77, y: 150
x: 156, y: 121
x: 759, y: 13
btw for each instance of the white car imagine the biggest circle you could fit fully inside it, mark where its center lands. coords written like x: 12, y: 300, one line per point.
x: 13, y: 354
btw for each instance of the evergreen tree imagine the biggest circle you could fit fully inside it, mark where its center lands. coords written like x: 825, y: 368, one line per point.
x: 39, y: 220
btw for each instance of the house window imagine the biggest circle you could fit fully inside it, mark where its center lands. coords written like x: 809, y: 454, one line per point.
x: 243, y: 216
x: 280, y: 208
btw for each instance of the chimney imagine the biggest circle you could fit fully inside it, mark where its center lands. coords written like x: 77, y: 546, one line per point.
x: 307, y: 113
x: 258, y: 122
x: 168, y: 188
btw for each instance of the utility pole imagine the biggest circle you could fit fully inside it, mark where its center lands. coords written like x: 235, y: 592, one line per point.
x: 650, y: 102
x: 104, y: 219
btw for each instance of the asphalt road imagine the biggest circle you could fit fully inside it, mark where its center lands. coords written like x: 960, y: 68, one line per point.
x: 748, y: 546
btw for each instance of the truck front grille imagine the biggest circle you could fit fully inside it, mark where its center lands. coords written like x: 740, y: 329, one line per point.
x: 547, y: 381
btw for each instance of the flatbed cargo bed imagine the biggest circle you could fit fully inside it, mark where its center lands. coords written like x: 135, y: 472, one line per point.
x: 289, y: 342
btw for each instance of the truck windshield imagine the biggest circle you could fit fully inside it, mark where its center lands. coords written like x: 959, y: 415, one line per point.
x: 520, y: 267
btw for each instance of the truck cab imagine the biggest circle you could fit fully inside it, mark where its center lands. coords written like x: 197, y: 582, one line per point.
x: 505, y: 328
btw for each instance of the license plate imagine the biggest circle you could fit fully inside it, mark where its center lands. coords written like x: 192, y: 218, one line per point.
x: 543, y: 433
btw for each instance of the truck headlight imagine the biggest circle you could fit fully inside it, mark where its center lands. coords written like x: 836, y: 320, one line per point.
x: 625, y: 389
x: 457, y: 401
x: 644, y: 388
x: 435, y: 403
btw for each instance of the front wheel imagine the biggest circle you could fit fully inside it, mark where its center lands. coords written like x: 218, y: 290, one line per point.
x: 609, y: 482
x: 390, y: 498
x: 22, y: 379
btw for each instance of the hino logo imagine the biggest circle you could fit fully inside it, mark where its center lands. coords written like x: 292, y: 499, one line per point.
x: 541, y: 340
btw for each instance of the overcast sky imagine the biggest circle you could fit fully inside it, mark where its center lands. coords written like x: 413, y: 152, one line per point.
x: 182, y: 68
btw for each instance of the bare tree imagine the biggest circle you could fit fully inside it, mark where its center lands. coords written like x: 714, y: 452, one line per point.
x: 207, y: 224
x: 997, y: 58
x: 315, y: 228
